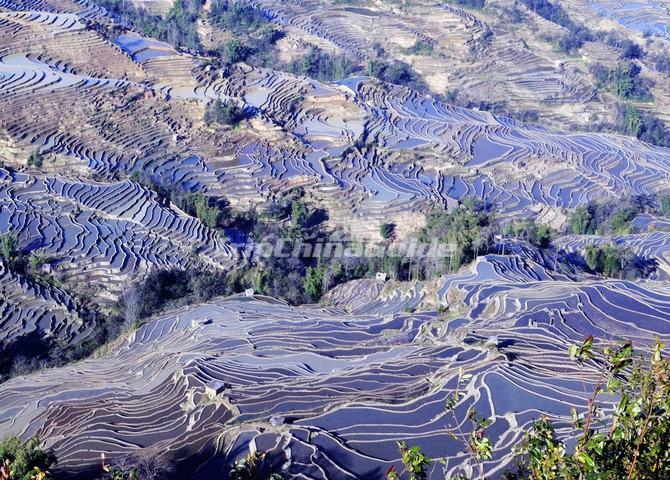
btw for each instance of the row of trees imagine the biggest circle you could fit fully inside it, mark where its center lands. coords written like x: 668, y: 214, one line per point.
x: 553, y: 12
x: 303, y: 276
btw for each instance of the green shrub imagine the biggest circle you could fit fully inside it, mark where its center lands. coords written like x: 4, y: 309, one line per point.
x: 612, y: 261
x: 253, y: 467
x: 386, y: 230
x: 223, y: 113
x: 664, y: 204
x: 633, y: 442
x: 234, y: 51
x: 414, y: 463
x: 420, y: 48
x: 581, y: 221
x: 539, y: 235
x: 314, y: 282
x: 299, y: 214
x: 35, y: 159
x: 25, y: 460
x: 323, y: 66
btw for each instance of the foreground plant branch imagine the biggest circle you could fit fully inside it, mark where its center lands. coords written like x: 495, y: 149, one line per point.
x: 628, y: 440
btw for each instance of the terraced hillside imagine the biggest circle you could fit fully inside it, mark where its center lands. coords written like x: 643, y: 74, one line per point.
x: 102, y: 233
x: 141, y: 169
x: 466, y: 53
x: 330, y: 390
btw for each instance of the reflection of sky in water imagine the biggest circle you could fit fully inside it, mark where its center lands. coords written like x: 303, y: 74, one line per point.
x: 143, y: 48
x: 485, y: 150
x: 640, y: 16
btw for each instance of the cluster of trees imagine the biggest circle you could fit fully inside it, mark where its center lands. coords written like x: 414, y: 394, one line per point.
x: 255, y: 40
x: 601, y: 218
x: 223, y: 113
x: 254, y: 36
x: 550, y: 11
x: 22, y: 262
x: 397, y: 73
x: 622, y: 80
x: 13, y: 257
x: 661, y: 61
x: 468, y: 229
x: 164, y: 289
x: 631, y: 441
x: 612, y: 261
x: 579, y: 34
x: 297, y: 279
x: 304, y: 277
x: 257, y: 50
x: 214, y: 213
x: 575, y: 40
x: 540, y: 235
x: 615, y: 217
x: 323, y: 66
x: 553, y: 12
x: 233, y: 51
x: 629, y: 50
x: 236, y: 17
x: 501, y: 108
x: 642, y: 125
x: 178, y: 27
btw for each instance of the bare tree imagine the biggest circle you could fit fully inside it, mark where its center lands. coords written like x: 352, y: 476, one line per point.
x: 148, y: 465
